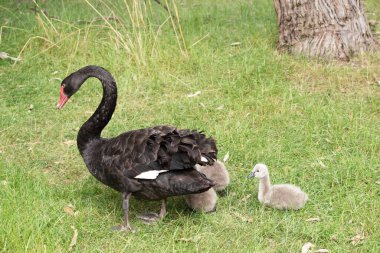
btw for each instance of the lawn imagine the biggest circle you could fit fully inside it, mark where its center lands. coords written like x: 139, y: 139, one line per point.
x: 314, y: 123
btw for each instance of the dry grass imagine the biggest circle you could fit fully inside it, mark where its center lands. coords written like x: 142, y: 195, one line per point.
x: 358, y: 77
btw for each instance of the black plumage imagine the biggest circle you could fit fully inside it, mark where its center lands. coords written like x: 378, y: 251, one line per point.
x: 117, y: 161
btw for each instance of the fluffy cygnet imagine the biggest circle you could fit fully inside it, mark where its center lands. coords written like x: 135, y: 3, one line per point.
x: 206, y: 201
x: 280, y: 196
x: 217, y: 173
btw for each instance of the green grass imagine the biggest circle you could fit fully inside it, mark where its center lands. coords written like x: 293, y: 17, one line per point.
x: 316, y: 124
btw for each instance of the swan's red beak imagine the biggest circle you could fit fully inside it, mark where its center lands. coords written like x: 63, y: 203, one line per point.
x: 62, y: 99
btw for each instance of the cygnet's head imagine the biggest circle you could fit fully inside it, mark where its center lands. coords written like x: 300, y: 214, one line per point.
x: 260, y: 170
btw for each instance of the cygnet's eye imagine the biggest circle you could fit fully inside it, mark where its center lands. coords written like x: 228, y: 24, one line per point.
x: 257, y: 171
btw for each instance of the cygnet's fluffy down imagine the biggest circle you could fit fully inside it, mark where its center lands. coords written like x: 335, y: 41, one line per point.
x: 281, y: 196
x: 206, y: 201
x: 203, y: 202
x: 217, y: 173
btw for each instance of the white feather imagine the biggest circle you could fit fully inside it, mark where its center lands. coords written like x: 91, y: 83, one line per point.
x: 204, y: 159
x: 226, y: 157
x: 151, y: 174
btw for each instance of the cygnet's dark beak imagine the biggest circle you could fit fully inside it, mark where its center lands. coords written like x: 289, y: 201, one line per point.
x: 251, y: 175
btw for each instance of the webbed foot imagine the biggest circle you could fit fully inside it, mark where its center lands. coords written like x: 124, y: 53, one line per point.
x: 152, y: 218
x: 123, y: 228
x: 149, y: 218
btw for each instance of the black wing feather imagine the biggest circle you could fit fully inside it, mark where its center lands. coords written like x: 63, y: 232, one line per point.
x: 161, y: 147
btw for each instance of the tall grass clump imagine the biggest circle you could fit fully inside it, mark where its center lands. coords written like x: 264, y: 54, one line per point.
x: 134, y: 29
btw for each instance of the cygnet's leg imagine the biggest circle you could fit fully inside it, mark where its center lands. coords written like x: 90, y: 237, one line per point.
x: 222, y: 193
x: 126, y: 226
x: 151, y: 218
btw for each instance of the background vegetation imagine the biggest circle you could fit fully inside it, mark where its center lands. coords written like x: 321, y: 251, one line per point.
x: 316, y: 124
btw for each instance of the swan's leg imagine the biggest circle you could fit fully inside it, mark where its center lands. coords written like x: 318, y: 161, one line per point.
x: 150, y: 218
x: 163, y: 208
x: 126, y: 226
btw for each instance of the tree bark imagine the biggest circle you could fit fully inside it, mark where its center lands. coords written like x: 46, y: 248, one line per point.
x: 323, y: 28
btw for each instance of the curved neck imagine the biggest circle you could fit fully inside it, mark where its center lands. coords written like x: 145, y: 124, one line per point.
x: 93, y: 127
x: 264, y: 185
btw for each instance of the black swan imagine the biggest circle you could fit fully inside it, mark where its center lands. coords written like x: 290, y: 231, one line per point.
x: 152, y: 163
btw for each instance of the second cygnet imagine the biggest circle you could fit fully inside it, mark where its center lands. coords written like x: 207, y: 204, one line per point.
x: 281, y: 196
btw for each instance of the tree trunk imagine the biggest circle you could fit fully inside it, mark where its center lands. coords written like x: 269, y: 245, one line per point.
x: 323, y: 28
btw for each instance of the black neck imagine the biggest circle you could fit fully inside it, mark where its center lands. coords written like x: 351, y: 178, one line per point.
x: 93, y: 127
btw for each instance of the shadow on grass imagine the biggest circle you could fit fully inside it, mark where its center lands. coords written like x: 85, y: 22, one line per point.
x: 106, y: 201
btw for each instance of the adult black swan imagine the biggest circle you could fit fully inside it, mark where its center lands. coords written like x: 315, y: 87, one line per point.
x: 152, y: 163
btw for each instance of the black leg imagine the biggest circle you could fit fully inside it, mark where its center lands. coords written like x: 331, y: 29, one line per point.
x: 126, y: 197
x: 163, y: 209
x: 126, y: 226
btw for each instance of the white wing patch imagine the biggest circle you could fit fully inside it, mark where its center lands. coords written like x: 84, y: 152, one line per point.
x: 204, y: 159
x: 150, y: 174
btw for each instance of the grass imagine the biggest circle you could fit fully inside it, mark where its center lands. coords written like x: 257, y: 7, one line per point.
x: 316, y: 124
